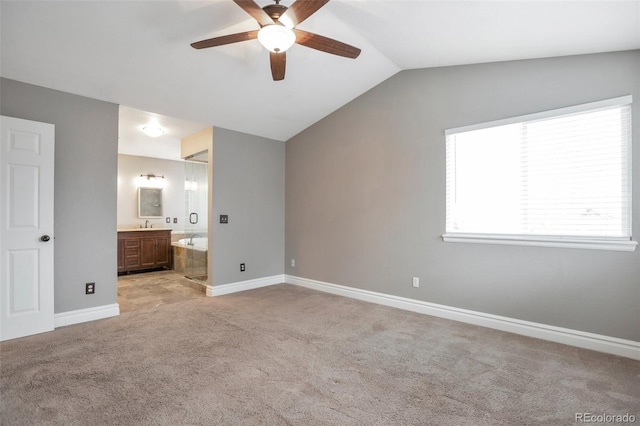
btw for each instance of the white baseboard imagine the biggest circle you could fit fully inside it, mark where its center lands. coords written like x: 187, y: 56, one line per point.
x: 219, y: 290
x: 84, y: 315
x: 581, y: 339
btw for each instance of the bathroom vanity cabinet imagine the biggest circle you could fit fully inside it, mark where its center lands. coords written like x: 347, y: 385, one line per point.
x: 144, y: 249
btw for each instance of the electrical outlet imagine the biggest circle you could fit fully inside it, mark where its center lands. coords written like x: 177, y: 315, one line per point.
x: 242, y: 268
x: 175, y: 220
x: 224, y: 218
x: 90, y: 288
x: 293, y: 263
x: 416, y: 282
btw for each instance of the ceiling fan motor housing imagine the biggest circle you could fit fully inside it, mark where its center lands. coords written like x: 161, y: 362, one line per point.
x: 275, y: 11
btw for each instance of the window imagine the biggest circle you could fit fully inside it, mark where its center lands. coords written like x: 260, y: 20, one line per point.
x: 557, y: 178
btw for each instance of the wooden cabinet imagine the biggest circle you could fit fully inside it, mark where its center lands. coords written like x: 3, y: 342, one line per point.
x: 120, y: 254
x: 163, y: 251
x: 144, y: 250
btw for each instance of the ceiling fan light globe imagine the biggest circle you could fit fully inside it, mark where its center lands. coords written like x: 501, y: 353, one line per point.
x: 276, y: 38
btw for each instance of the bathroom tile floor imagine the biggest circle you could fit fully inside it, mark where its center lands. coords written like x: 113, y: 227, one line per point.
x: 150, y: 290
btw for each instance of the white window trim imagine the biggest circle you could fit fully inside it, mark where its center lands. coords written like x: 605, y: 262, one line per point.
x: 543, y: 241
x: 611, y: 244
x: 592, y: 106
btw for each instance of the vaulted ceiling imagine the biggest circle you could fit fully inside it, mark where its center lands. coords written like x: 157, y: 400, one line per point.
x: 138, y: 54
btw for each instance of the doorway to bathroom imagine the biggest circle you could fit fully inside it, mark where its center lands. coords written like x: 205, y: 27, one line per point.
x: 174, y: 162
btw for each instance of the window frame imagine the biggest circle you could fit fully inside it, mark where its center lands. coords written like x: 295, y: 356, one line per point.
x: 591, y: 243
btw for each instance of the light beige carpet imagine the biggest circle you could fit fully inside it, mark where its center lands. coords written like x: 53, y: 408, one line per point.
x: 288, y: 355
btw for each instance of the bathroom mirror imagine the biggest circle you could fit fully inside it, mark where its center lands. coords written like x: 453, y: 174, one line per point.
x: 149, y: 203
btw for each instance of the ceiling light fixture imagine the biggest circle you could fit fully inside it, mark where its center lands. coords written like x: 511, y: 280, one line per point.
x: 153, y: 131
x: 276, y: 38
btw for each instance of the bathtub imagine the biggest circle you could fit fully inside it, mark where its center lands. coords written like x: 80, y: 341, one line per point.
x: 198, y: 243
x: 191, y: 254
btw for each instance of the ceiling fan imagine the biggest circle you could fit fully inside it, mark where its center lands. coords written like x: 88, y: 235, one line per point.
x: 277, y: 32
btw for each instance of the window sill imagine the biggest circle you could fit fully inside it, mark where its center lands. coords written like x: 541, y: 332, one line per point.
x: 557, y: 242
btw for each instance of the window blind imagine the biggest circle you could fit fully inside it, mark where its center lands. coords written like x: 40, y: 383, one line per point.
x: 561, y: 173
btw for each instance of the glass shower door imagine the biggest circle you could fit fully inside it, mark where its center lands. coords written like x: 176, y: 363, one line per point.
x: 196, y: 220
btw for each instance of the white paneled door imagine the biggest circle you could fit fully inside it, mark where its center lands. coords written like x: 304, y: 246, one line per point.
x: 26, y: 227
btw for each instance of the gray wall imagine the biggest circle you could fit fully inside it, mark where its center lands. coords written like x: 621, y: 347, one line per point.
x: 130, y: 167
x: 365, y: 196
x: 248, y: 185
x: 85, y: 188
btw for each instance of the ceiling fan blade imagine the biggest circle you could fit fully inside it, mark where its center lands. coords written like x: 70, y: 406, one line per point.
x: 299, y: 11
x: 255, y: 11
x: 326, y: 44
x: 227, y: 39
x: 278, y: 65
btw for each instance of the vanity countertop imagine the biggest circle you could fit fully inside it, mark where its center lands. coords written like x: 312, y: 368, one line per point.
x: 143, y: 229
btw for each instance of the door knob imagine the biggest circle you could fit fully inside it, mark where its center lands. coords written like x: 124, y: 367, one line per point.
x: 45, y: 238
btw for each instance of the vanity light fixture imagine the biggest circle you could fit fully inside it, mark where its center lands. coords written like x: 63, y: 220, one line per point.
x: 151, y: 181
x: 153, y: 131
x: 152, y: 176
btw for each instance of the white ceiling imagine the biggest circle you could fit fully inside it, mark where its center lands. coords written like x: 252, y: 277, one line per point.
x: 138, y: 54
x: 133, y: 141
